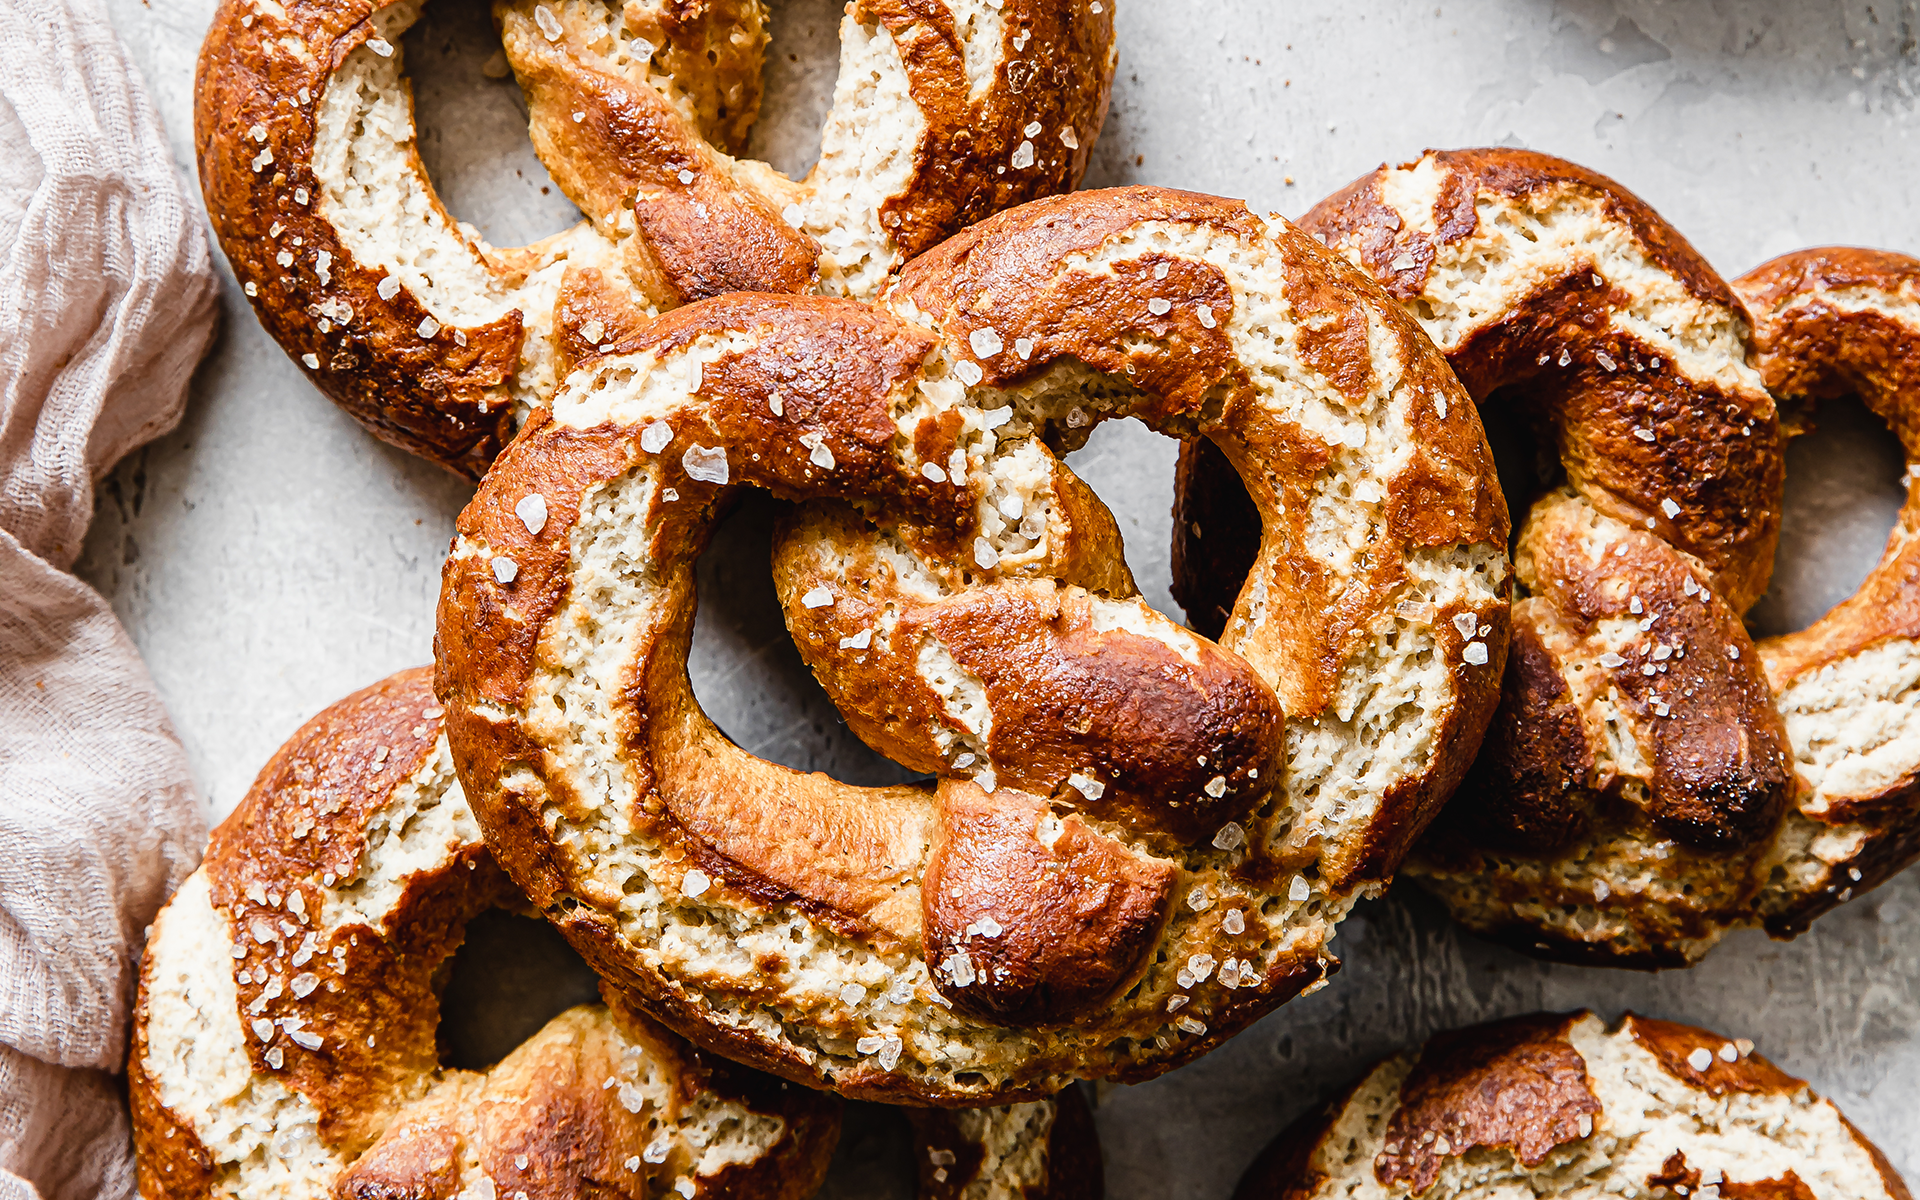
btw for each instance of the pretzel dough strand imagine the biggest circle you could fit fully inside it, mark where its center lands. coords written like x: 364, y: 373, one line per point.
x: 1073, y: 898
x: 441, y: 344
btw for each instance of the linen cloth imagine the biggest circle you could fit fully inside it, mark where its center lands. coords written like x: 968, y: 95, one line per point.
x: 107, y: 301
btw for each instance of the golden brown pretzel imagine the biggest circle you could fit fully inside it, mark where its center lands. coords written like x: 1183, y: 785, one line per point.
x: 1556, y: 843
x: 1557, y: 1105
x: 285, y: 1037
x: 947, y: 110
x: 1139, y: 841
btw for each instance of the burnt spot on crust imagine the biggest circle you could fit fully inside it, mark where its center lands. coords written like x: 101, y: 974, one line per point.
x: 1030, y: 923
x: 1518, y: 1085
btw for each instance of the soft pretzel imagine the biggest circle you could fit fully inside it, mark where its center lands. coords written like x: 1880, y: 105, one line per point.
x: 284, y: 1041
x: 439, y: 343
x: 1039, y: 1150
x: 1641, y: 791
x: 1139, y: 841
x: 1558, y: 1106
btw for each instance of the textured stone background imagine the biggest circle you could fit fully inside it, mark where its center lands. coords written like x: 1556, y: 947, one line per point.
x: 269, y: 556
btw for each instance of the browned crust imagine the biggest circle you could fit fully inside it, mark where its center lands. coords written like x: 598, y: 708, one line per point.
x: 377, y: 1010
x: 1809, y: 348
x: 1355, y: 211
x: 1518, y: 1085
x: 1074, y: 1170
x: 1061, y: 77
x: 836, y: 365
x: 442, y: 397
x: 1673, y: 1044
x: 1521, y: 1085
x: 436, y: 397
x: 1447, y: 494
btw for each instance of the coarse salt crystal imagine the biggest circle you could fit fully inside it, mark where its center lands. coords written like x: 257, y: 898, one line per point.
x: 380, y: 46
x: 1068, y: 138
x: 505, y: 569
x: 1610, y: 660
x: 985, y: 342
x: 968, y: 373
x: 284, y: 258
x: 1032, y: 129
x: 1198, y: 899
x: 934, y: 471
x: 532, y: 511
x: 1086, y: 785
x: 263, y: 1029
x: 312, y: 361
x: 388, y: 287
x: 1234, y: 922
x: 707, y: 464
x: 1298, y: 891
x: 1606, y: 360
x: 685, y: 177
x: 695, y: 883
x: 1475, y: 654
x: 1700, y: 1059
x: 428, y: 327
x: 594, y: 330
x: 859, y: 641
x: 792, y: 215
x: 818, y: 452
x: 1668, y: 507
x: 1645, y: 435
x: 1201, y: 965
x: 656, y: 437
x: 1216, y: 787
x: 1022, y: 157
x: 656, y: 1151
x: 1192, y: 1025
x: 304, y: 983
x: 1229, y: 836
x: 276, y: 1058
x: 548, y: 23
x: 959, y: 968
x: 305, y: 1040
x: 1406, y: 262
x: 984, y: 554
x: 1729, y: 1052
x: 819, y: 597
x: 1205, y: 313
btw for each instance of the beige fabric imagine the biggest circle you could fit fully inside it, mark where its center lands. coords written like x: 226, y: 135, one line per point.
x: 106, y: 303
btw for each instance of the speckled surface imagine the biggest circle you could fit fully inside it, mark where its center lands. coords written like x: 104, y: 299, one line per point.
x: 269, y: 557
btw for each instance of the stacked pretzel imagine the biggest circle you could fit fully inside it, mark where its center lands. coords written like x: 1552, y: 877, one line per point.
x: 1653, y: 778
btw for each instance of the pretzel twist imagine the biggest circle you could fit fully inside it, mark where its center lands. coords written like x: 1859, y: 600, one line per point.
x: 1139, y: 840
x: 1652, y: 778
x: 441, y: 343
x: 285, y: 1037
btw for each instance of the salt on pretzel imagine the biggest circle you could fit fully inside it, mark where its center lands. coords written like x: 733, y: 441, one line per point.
x: 284, y: 1040
x: 1139, y: 841
x: 1629, y: 659
x: 945, y: 111
x: 1557, y: 1105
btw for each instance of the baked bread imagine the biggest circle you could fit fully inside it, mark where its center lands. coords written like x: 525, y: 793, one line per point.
x: 1139, y: 841
x: 945, y: 111
x: 284, y: 1040
x: 1555, y: 1106
x: 1652, y: 779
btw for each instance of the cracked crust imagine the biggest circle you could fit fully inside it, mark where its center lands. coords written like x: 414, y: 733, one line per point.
x: 1557, y: 1105
x: 965, y: 601
x: 285, y: 1036
x: 440, y: 343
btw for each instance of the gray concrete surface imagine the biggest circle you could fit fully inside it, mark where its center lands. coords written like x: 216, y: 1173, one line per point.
x: 268, y: 557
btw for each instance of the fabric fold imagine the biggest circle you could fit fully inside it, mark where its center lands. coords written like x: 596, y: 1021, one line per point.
x: 107, y: 302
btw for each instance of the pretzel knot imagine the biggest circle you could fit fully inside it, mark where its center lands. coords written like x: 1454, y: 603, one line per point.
x: 440, y: 343
x: 1138, y: 840
x: 1653, y: 778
